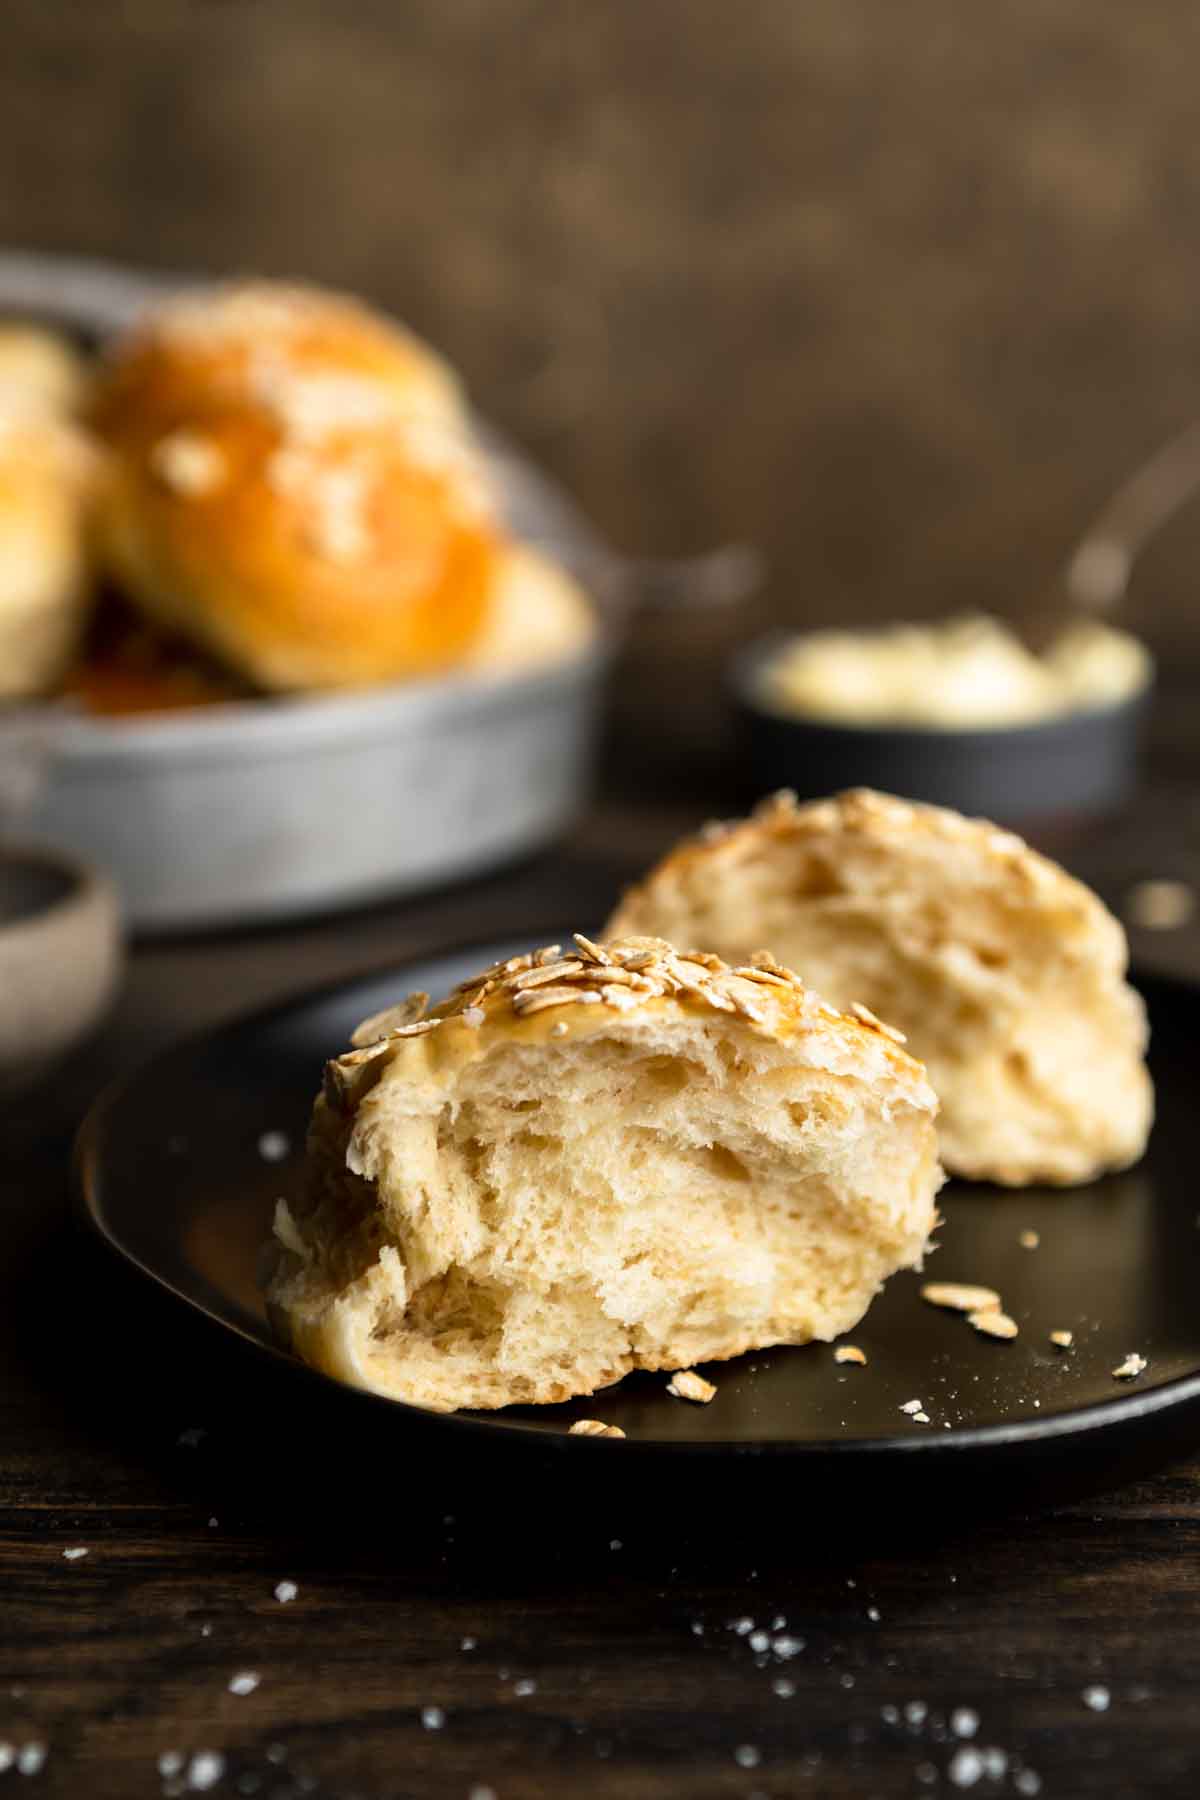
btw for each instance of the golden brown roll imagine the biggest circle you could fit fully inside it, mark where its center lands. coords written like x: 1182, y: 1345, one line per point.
x: 292, y: 487
x: 619, y: 1157
x: 1006, y: 974
x: 537, y: 615
x: 47, y: 478
x: 39, y: 371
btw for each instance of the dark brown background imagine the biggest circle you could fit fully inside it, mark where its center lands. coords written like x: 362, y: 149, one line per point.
x: 897, y: 291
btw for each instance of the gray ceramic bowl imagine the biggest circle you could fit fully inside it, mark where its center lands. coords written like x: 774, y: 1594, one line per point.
x: 1064, y: 769
x: 60, y: 957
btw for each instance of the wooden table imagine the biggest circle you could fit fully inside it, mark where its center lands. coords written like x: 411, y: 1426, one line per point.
x: 466, y: 1631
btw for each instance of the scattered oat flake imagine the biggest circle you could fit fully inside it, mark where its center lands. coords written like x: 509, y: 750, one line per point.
x: 960, y: 1296
x: 685, y: 1384
x: 911, y: 1406
x: 285, y: 1591
x: 849, y: 1353
x: 30, y: 1759
x: 1131, y: 1367
x: 594, y: 1428
x: 205, y: 1769
x: 1029, y: 1240
x: 75, y: 1554
x: 1097, y: 1698
x: 1062, y: 1339
x: 991, y: 1322
x: 244, y: 1682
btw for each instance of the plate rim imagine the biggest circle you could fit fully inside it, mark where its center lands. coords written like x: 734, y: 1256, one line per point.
x: 1095, y: 1416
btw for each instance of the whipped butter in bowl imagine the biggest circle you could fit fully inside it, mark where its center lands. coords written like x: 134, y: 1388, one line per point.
x: 958, y: 712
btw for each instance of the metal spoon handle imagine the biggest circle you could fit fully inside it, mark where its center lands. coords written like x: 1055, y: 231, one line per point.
x: 1099, y: 570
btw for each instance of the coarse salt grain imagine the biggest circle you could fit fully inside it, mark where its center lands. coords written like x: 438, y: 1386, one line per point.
x: 759, y: 1641
x: 205, y: 1769
x: 1097, y: 1698
x: 910, y: 1407
x: 285, y: 1591
x: 75, y: 1554
x: 524, y: 1688
x: 786, y: 1647
x: 8, y: 1757
x: 964, y: 1721
x: 469, y: 1643
x: 244, y: 1682
x: 916, y: 1712
x: 273, y: 1146
x: 30, y: 1759
x: 432, y: 1718
x: 170, y: 1762
x: 783, y: 1687
x: 1027, y: 1782
x: 747, y: 1756
x: 483, y: 1793
x: 966, y: 1768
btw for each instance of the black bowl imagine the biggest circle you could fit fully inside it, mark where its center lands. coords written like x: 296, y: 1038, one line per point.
x: 1068, y: 768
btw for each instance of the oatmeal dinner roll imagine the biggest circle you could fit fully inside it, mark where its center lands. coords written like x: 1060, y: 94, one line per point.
x: 585, y: 1162
x: 292, y: 487
x: 537, y: 614
x: 1006, y: 974
x: 40, y: 370
x: 47, y: 478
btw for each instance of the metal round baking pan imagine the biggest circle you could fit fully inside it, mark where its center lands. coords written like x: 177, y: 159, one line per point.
x: 1080, y: 765
x: 175, y: 1176
x: 271, y: 808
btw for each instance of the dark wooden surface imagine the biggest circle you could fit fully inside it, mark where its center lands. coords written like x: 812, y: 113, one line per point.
x: 575, y: 1643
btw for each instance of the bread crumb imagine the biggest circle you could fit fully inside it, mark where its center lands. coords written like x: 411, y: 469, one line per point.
x: 922, y: 1418
x: 1131, y: 1367
x: 1160, y: 905
x: 1062, y: 1339
x: 1029, y: 1240
x: 993, y: 1323
x: 685, y: 1384
x: 594, y: 1428
x: 849, y: 1353
x: 961, y: 1296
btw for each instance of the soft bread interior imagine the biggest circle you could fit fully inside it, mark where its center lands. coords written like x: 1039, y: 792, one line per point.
x: 652, y: 1194
x: 1006, y: 977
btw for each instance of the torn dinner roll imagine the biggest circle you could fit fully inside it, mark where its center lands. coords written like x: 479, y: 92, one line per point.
x: 598, y: 1159
x: 1005, y: 974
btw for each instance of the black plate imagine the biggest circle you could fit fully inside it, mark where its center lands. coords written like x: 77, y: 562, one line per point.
x: 176, y: 1174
